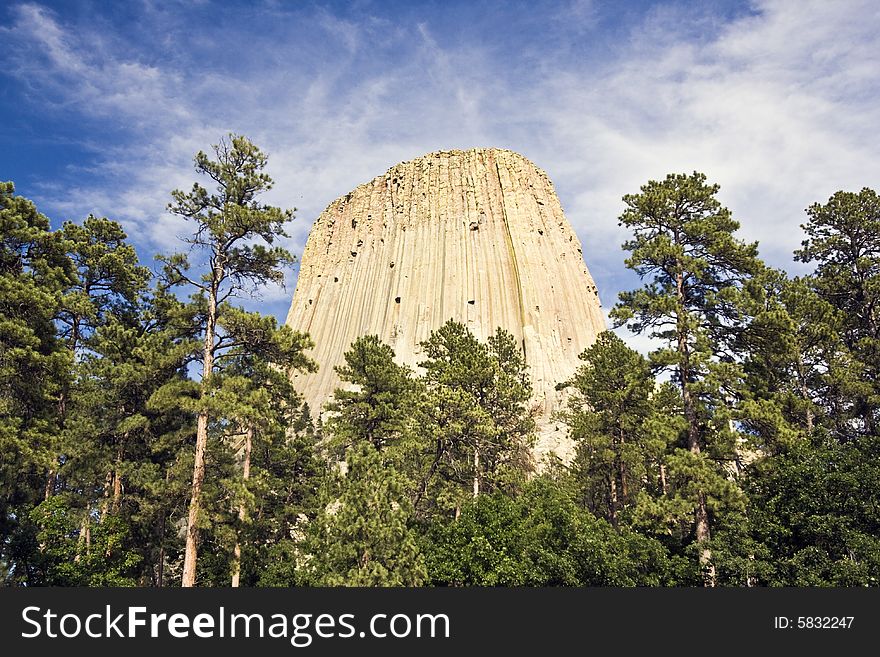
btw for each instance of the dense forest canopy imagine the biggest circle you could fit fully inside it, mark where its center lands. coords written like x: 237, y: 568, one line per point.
x: 150, y: 434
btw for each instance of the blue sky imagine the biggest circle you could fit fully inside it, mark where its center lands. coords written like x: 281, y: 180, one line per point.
x: 103, y: 104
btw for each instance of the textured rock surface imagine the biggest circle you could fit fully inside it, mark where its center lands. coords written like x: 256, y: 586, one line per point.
x: 478, y: 236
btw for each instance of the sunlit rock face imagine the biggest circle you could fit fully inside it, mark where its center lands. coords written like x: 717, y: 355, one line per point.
x: 478, y: 236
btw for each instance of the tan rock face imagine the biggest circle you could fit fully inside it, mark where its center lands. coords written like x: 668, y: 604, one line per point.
x: 477, y: 236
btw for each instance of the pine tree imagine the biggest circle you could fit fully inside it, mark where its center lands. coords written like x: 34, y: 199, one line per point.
x: 683, y: 244
x: 363, y: 537
x: 106, y: 289
x: 141, y: 444
x: 609, y: 417
x: 489, y: 383
x: 115, y: 476
x: 287, y: 484
x: 109, y: 281
x: 843, y: 239
x: 813, y: 351
x: 34, y: 368
x: 227, y: 224
x: 380, y: 408
x: 446, y: 474
x: 255, y: 401
x: 792, y: 350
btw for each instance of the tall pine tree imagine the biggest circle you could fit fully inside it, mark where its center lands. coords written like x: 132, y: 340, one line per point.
x: 694, y: 270
x: 229, y: 224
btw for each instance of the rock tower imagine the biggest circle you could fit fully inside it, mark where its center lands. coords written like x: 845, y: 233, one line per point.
x: 478, y: 236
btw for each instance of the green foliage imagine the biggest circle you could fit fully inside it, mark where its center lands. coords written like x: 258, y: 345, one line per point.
x: 79, y: 550
x: 363, y: 537
x: 765, y: 432
x: 540, y: 538
x: 683, y: 244
x: 462, y: 428
x: 815, y: 508
x: 108, y: 281
x: 227, y: 223
x: 285, y: 484
x: 34, y: 367
x: 486, y: 442
x: 791, y: 349
x: 843, y: 239
x: 694, y: 300
x: 232, y: 242
x: 34, y: 271
x: 611, y: 415
x: 379, y: 410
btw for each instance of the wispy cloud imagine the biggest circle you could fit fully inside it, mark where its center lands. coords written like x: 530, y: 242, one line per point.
x: 83, y: 73
x: 772, y: 106
x: 777, y: 101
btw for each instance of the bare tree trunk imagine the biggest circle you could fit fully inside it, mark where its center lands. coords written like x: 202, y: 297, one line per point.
x: 703, y: 536
x: 701, y: 514
x: 84, y: 542
x: 242, y: 508
x: 612, y: 494
x: 51, y: 479
x: 105, y: 501
x: 476, y: 471
x: 117, y: 492
x: 805, y: 393
x: 192, y: 530
x: 113, y: 485
x: 117, y: 475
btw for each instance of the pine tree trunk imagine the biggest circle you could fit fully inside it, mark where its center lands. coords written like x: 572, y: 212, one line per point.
x: 805, y: 394
x: 105, y: 501
x: 476, y: 471
x: 242, y: 508
x: 113, y: 485
x: 84, y: 541
x: 160, y: 575
x: 117, y: 476
x: 192, y: 530
x: 703, y: 536
x: 51, y: 479
x: 701, y: 514
x: 117, y: 493
x: 613, y: 501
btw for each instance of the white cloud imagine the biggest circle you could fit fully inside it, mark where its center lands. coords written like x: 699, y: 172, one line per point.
x: 76, y: 70
x: 779, y: 106
x: 780, y: 109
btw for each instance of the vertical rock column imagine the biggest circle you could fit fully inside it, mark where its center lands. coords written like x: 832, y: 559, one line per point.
x: 478, y: 236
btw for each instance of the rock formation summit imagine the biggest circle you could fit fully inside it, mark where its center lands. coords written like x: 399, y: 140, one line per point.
x: 478, y: 236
